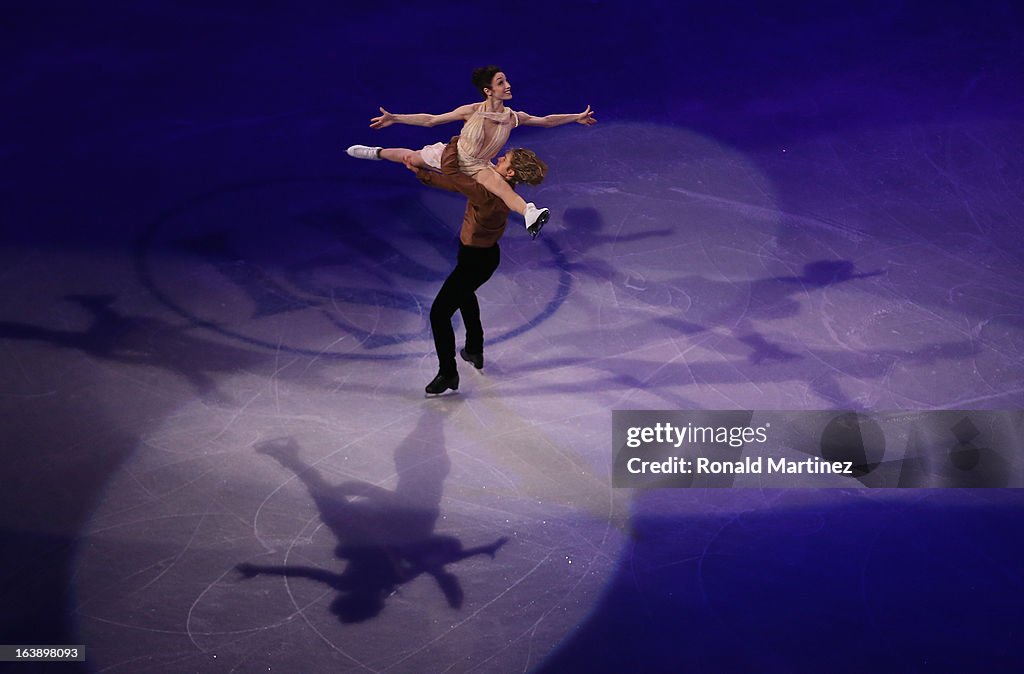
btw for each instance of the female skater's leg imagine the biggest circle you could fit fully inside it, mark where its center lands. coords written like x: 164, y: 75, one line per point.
x: 399, y: 155
x: 429, y: 157
x: 499, y: 187
x: 393, y: 154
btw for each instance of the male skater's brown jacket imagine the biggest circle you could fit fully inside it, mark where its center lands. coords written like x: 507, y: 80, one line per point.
x: 486, y: 215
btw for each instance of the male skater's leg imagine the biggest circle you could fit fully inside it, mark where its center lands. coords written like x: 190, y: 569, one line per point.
x: 474, y: 267
x: 489, y: 258
x: 441, y: 311
x: 470, y: 310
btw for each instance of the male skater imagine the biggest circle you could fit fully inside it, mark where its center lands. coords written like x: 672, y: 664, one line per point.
x: 482, y: 225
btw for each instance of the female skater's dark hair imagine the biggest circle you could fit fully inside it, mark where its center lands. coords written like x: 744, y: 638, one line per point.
x: 483, y: 77
x: 528, y: 167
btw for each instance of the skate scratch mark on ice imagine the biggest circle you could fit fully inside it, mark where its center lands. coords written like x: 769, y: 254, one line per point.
x: 194, y: 633
x: 370, y: 332
x: 326, y: 348
x: 937, y: 248
x: 774, y: 214
x: 486, y: 466
x: 192, y: 481
x: 137, y: 572
x: 967, y: 333
x: 474, y: 614
x: 236, y: 415
x: 736, y: 404
x: 532, y: 629
x: 138, y: 483
x: 273, y: 383
x: 177, y: 557
x: 149, y: 659
x: 956, y: 187
x: 507, y: 514
x: 133, y: 626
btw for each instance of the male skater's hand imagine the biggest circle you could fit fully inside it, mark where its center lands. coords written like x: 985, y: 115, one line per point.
x: 407, y: 162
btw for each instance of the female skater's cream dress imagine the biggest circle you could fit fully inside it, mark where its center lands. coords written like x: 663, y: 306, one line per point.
x: 483, y: 135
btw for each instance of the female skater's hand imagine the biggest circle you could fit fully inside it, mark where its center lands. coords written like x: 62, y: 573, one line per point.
x: 586, y: 117
x: 385, y: 119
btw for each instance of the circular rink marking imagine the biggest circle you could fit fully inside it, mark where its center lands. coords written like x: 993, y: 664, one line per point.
x: 358, y: 274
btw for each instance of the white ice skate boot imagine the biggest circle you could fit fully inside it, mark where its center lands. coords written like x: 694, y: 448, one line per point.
x: 535, y: 219
x: 364, y: 152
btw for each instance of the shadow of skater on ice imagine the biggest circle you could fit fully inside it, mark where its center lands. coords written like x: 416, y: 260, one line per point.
x: 385, y: 537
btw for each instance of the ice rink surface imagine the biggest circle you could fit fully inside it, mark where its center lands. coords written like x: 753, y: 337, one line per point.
x: 214, y: 336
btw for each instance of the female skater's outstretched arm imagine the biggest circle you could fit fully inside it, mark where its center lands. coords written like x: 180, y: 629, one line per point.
x: 459, y: 114
x: 463, y: 112
x: 586, y: 118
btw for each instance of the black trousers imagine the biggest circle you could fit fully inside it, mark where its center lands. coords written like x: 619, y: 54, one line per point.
x: 474, y: 267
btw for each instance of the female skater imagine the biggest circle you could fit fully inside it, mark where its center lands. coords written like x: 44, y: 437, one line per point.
x: 484, y: 133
